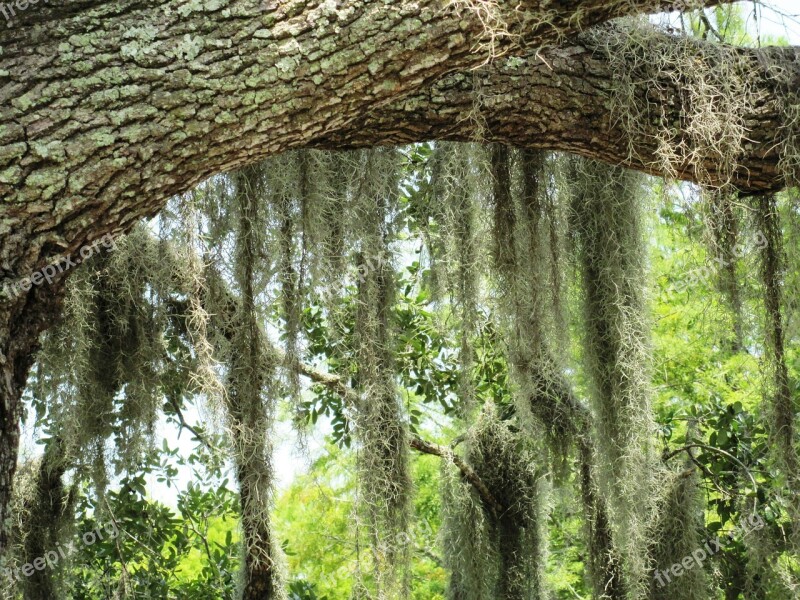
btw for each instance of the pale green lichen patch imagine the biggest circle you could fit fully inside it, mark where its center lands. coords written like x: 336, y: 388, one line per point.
x: 101, y: 138
x: 262, y: 78
x: 12, y: 151
x: 26, y: 101
x: 286, y: 65
x: 146, y: 33
x: 104, y: 97
x: 134, y: 133
x: 188, y: 8
x: 81, y: 41
x: 11, y: 175
x: 49, y: 150
x: 226, y: 118
x: 214, y: 5
x: 137, y: 112
x: 142, y: 41
x: 48, y: 181
x: 189, y: 48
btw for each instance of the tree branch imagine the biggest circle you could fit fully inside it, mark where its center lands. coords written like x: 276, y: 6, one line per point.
x: 110, y: 108
x: 560, y: 99
x: 335, y: 383
x: 469, y: 474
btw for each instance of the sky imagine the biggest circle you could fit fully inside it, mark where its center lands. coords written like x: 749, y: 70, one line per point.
x: 775, y: 18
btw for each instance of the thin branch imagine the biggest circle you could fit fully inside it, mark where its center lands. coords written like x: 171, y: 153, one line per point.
x: 335, y: 383
x: 184, y: 425
x: 688, y: 447
x: 710, y: 27
x: 430, y: 556
x: 469, y: 474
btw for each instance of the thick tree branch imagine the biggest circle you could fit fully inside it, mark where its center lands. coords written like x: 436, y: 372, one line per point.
x: 110, y: 108
x: 560, y: 99
x: 468, y: 472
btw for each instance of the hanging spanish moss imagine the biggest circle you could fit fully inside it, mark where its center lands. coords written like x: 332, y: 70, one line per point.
x: 288, y: 180
x: 604, y: 564
x: 528, y: 240
x: 680, y: 533
x: 790, y: 218
x: 100, y: 370
x: 25, y: 495
x: 504, y: 251
x: 470, y: 554
x: 384, y: 477
x: 496, y: 554
x: 782, y: 405
x: 530, y: 293
x: 453, y: 229
x: 251, y: 396
x: 723, y: 225
x: 713, y: 99
x: 205, y: 375
x: 770, y: 573
x: 608, y: 219
x: 44, y: 517
x: 143, y: 268
x: 99, y: 380
x: 326, y: 179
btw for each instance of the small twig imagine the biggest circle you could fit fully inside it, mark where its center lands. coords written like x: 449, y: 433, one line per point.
x: 710, y: 476
x: 725, y: 453
x: 190, y: 428
x: 710, y: 27
x: 212, y: 563
x: 430, y: 556
x: 572, y: 589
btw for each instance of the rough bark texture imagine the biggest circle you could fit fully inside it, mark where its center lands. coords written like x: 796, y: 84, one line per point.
x: 559, y: 99
x: 19, y: 338
x: 110, y: 107
x: 107, y: 108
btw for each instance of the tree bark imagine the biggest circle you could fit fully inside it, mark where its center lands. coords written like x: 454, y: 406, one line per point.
x: 559, y: 99
x: 108, y: 108
x: 122, y: 106
x: 18, y: 344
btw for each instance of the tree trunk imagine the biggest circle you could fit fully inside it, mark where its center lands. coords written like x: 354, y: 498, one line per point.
x: 19, y: 333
